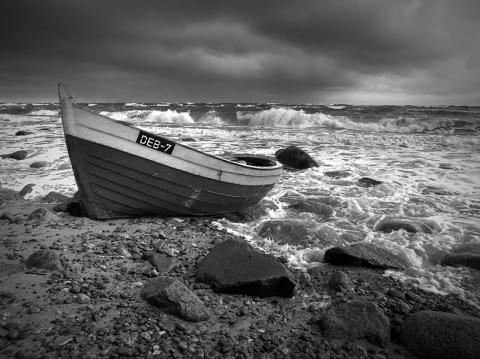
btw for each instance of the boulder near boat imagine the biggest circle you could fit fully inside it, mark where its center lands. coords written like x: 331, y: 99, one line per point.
x: 122, y: 171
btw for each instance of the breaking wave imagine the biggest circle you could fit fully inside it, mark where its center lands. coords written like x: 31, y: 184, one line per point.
x: 287, y: 117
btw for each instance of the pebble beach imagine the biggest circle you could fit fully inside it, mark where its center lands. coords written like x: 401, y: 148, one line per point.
x: 88, y: 303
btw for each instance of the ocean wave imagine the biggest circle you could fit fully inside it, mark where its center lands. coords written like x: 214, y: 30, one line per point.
x: 374, y: 120
x: 335, y: 107
x: 287, y: 117
x: 135, y: 104
x: 44, y: 113
x: 211, y: 118
x: 169, y: 116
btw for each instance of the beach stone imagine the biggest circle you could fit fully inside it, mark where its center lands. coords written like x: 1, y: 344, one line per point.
x: 448, y: 166
x: 62, y: 207
x: 388, y: 225
x: 432, y: 334
x: 74, y: 206
x: 295, y: 157
x: 23, y: 133
x: 236, y: 267
x: 76, y: 209
x: 174, y: 297
x: 160, y: 262
x: 368, y: 182
x: 310, y: 206
x: 301, y: 233
x: 356, y: 320
x: 44, y: 259
x: 338, y: 174
x: 39, y: 164
x: 26, y: 189
x: 42, y: 214
x: 55, y: 197
x: 438, y: 191
x: 8, y: 216
x: 17, y: 155
x: 363, y: 255
x: 340, y: 282
x: 313, y: 256
x: 471, y: 260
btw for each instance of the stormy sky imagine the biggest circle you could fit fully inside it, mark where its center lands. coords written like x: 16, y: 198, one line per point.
x: 339, y: 51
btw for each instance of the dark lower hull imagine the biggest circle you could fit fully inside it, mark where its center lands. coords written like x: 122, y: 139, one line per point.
x: 116, y: 184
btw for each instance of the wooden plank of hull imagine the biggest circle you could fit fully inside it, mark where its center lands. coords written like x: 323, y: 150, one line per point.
x: 116, y: 184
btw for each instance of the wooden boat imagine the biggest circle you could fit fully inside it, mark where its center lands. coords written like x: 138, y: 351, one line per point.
x: 122, y: 171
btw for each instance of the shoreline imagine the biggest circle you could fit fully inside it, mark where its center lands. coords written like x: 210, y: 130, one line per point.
x: 93, y: 308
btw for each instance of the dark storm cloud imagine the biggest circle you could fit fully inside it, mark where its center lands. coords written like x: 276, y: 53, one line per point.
x: 308, y: 51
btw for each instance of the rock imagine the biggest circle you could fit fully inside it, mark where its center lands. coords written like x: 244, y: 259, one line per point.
x: 301, y: 233
x: 363, y: 255
x: 438, y: 191
x: 320, y: 209
x: 295, y: 157
x: 55, y: 197
x: 42, y: 214
x: 188, y: 139
x: 39, y: 164
x: 432, y: 334
x: 338, y: 174
x: 313, y: 256
x: 236, y: 267
x: 72, y: 205
x: 448, y: 166
x: 160, y: 262
x: 340, y: 282
x: 471, y: 260
x: 27, y: 189
x: 388, y: 225
x: 17, y: 155
x: 44, y: 259
x: 356, y: 320
x: 473, y: 247
x: 8, y: 216
x: 368, y: 182
x: 248, y: 214
x: 174, y: 297
x: 83, y: 298
x: 23, y: 133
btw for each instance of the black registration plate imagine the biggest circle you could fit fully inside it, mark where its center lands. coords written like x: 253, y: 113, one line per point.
x: 155, y: 142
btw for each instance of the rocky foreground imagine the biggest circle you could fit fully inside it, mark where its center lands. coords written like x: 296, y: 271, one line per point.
x: 166, y: 287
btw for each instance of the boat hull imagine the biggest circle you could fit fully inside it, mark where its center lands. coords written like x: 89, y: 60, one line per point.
x: 122, y: 171
x: 117, y: 184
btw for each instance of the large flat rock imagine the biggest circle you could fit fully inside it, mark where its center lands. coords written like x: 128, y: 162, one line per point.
x: 432, y: 334
x: 363, y: 255
x: 236, y: 267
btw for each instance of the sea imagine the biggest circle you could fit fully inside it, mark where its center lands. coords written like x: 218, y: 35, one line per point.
x: 427, y: 159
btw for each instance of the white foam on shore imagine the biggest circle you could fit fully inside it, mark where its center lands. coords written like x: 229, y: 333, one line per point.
x: 44, y: 113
